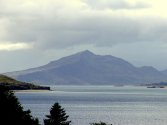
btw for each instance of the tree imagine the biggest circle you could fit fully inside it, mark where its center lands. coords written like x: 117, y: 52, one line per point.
x: 11, y: 111
x: 57, y: 116
x: 101, y: 123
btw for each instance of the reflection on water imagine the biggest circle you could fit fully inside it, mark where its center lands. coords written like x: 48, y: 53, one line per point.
x: 116, y: 105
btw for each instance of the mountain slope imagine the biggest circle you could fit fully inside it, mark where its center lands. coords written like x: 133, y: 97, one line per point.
x: 18, y: 85
x: 164, y: 72
x: 88, y: 68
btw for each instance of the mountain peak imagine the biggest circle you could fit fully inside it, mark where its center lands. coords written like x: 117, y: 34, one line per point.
x: 86, y: 52
x: 86, y: 67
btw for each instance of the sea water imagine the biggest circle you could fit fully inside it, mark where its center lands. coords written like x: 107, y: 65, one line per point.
x: 116, y: 105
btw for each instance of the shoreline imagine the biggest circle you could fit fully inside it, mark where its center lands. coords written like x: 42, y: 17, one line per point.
x: 31, y: 90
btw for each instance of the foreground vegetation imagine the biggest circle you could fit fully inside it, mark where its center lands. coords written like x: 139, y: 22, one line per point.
x: 12, y: 113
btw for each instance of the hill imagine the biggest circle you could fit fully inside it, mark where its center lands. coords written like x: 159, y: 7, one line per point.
x: 87, y: 68
x: 18, y: 85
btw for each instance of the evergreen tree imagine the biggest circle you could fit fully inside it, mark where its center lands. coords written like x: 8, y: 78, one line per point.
x: 101, y: 123
x: 57, y: 116
x: 11, y: 111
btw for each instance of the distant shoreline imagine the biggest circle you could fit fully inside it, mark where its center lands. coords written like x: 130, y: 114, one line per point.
x: 31, y: 90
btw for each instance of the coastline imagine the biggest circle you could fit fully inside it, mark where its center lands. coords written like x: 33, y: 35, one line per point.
x: 31, y: 90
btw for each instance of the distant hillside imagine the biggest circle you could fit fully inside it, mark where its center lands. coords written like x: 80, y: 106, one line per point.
x: 87, y: 68
x: 156, y: 85
x: 18, y: 85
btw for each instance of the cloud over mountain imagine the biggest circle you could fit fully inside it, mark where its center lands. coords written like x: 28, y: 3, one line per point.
x: 62, y: 27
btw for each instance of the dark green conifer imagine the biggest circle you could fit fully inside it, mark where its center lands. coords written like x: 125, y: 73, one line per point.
x: 57, y: 116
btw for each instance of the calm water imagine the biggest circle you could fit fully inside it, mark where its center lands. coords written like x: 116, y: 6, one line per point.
x: 116, y: 105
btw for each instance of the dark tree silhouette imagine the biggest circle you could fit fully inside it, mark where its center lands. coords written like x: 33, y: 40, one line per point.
x: 57, y: 116
x: 11, y: 111
x: 101, y: 123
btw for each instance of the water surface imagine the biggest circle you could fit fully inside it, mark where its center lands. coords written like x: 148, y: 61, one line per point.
x: 117, y: 105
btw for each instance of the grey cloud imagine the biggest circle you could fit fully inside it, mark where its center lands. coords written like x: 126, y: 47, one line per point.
x: 97, y: 30
x: 101, y: 32
x: 62, y: 29
x: 115, y: 4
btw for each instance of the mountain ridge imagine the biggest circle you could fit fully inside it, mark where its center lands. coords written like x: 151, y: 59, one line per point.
x: 87, y: 68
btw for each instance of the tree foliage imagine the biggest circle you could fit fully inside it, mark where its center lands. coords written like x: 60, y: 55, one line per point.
x: 57, y: 116
x: 11, y: 111
x: 100, y: 123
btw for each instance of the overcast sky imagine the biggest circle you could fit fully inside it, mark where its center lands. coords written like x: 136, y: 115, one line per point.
x: 35, y: 32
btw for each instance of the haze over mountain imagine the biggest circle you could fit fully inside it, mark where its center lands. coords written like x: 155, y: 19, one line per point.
x: 87, y: 68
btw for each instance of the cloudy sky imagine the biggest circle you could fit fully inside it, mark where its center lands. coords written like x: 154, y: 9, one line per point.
x: 35, y: 32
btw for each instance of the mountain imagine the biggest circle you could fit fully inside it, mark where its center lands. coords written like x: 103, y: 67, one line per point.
x: 86, y: 68
x: 18, y: 85
x: 164, y: 72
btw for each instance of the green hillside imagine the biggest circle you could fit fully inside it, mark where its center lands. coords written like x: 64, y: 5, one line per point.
x: 6, y: 79
x: 18, y: 85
